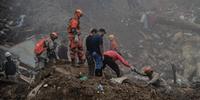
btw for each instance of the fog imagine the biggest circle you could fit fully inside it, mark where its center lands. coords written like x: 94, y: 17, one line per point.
x: 172, y: 38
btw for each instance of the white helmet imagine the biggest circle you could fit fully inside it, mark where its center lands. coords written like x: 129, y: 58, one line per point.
x: 111, y: 36
x: 8, y: 54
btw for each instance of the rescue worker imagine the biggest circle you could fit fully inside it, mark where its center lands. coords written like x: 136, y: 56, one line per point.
x: 113, y: 43
x: 148, y: 19
x: 102, y: 32
x: 154, y: 79
x: 90, y: 60
x: 94, y: 44
x: 10, y: 67
x: 76, y: 46
x: 47, y: 50
x: 51, y: 46
x: 110, y: 58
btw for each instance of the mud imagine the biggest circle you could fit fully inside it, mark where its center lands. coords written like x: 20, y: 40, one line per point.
x: 61, y: 86
x: 13, y: 91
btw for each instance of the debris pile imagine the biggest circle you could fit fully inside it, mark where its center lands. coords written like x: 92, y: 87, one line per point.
x: 62, y: 82
x: 4, y: 21
x: 171, y: 42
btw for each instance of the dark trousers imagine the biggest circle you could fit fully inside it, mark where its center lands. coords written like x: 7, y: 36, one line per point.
x: 40, y: 63
x: 112, y: 64
x: 95, y: 64
x: 91, y: 64
x: 52, y: 56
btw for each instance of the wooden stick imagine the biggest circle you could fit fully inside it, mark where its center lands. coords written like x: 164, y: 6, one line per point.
x: 174, y: 73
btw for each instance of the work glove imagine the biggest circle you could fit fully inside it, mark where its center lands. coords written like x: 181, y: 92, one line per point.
x: 76, y: 39
x: 74, y: 31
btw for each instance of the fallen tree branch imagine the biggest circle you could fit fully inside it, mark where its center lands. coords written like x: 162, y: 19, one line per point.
x: 179, y: 24
x: 174, y: 72
x: 34, y: 92
x: 26, y: 79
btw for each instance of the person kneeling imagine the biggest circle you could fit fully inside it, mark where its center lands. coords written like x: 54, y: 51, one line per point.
x: 154, y: 79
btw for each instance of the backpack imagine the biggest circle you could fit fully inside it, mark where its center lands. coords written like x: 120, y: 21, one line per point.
x: 40, y: 46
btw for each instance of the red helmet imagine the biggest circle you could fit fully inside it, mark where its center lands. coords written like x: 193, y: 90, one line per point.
x: 79, y: 12
x: 147, y: 69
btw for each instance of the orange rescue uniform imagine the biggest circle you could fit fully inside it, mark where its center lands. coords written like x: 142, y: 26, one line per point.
x: 76, y: 47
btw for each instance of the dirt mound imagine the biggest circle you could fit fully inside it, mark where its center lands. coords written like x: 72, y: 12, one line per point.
x: 13, y: 91
x: 63, y: 82
x: 61, y: 86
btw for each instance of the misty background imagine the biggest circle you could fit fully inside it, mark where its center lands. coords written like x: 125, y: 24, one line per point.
x: 160, y: 46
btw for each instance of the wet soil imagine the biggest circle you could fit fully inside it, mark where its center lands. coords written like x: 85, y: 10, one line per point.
x: 62, y: 83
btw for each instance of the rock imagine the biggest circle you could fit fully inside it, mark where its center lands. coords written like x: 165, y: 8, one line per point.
x: 188, y: 34
x: 45, y: 85
x: 20, y: 21
x: 178, y: 36
x: 182, y: 17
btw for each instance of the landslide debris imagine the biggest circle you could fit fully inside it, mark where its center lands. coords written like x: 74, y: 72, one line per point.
x: 62, y: 82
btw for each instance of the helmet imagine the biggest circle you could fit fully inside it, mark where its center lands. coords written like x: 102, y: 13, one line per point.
x: 79, y: 12
x: 147, y: 69
x: 111, y: 36
x: 54, y: 34
x: 8, y: 54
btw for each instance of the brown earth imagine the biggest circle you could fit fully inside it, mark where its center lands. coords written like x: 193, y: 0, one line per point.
x: 63, y: 83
